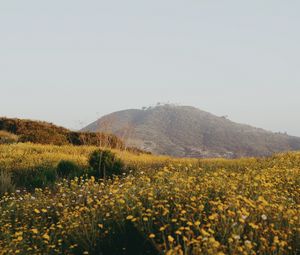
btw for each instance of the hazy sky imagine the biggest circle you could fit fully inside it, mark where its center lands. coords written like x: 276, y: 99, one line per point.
x: 70, y: 61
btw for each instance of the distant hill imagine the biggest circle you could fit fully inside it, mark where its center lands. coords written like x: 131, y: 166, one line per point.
x: 18, y: 130
x: 185, y: 131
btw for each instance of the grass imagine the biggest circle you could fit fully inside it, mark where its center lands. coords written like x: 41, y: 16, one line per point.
x: 163, y: 206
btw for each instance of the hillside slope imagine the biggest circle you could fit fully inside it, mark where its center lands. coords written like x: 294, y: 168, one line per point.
x: 47, y: 133
x: 185, y: 131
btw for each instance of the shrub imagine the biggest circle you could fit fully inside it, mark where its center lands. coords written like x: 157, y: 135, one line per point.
x: 6, y: 184
x: 104, y: 163
x: 68, y: 169
x: 7, y: 137
x: 39, y: 177
x: 96, y: 139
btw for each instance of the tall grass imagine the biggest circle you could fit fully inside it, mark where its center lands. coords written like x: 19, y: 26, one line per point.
x: 6, y: 185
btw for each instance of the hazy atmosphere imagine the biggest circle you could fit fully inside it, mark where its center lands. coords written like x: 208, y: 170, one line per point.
x: 70, y: 63
x: 149, y: 127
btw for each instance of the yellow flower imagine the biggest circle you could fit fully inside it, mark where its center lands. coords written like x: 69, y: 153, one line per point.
x: 20, y: 233
x: 34, y: 231
x: 37, y: 211
x: 205, y: 233
x: 162, y: 229
x: 19, y: 238
x: 276, y: 240
x: 122, y: 201
x: 46, y: 237
x: 151, y: 236
x: 197, y: 223
x: 254, y: 226
x: 248, y: 244
x: 213, y: 216
x: 171, y: 239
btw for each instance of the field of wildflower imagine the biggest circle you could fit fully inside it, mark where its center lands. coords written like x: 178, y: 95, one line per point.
x: 159, y: 205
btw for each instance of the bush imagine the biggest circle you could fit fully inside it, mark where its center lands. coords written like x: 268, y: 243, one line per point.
x: 39, y: 177
x: 95, y: 139
x: 104, y: 163
x: 68, y: 169
x: 6, y: 184
x: 6, y: 137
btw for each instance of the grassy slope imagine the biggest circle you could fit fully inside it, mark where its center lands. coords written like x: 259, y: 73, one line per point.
x: 179, y: 206
x: 23, y: 156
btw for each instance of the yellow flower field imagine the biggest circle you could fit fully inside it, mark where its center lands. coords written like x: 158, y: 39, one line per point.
x: 172, y: 206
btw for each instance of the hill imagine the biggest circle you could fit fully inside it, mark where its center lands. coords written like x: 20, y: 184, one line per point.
x: 18, y: 130
x: 185, y: 131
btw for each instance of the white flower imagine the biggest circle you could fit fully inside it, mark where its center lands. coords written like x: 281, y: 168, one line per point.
x: 244, y: 217
x: 236, y: 237
x: 264, y: 217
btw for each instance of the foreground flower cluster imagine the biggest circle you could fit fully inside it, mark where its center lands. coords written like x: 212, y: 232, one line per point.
x: 214, y: 207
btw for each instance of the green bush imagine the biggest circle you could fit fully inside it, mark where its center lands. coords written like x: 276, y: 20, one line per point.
x: 68, y: 169
x: 39, y: 177
x: 104, y: 163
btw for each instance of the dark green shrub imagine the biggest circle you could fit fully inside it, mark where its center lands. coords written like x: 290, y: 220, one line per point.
x: 39, y: 177
x: 104, y: 163
x: 68, y: 169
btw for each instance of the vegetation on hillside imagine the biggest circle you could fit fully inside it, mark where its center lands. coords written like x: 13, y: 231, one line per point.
x: 160, y: 206
x: 184, y: 131
x: 7, y: 138
x: 47, y: 133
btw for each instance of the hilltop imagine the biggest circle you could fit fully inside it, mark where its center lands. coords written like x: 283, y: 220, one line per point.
x: 185, y: 131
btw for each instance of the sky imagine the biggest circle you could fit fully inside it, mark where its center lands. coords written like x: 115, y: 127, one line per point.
x: 70, y: 62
